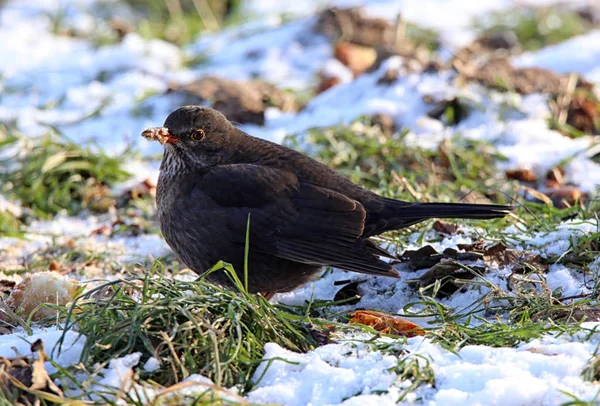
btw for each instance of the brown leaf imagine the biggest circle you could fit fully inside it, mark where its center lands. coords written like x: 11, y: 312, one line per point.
x: 447, y: 272
x: 584, y: 113
x: 386, y: 324
x: 6, y: 286
x: 536, y: 194
x: 424, y: 257
x: 427, y: 256
x: 327, y: 83
x: 102, y: 230
x: 520, y: 260
x: 567, y: 196
x: 439, y: 271
x: 20, y: 375
x: 498, y: 72
x: 445, y: 228
x: 357, y: 58
x: 389, y: 77
x: 477, y: 246
x: 322, y: 334
x: 144, y: 188
x: 54, y: 266
x: 555, y: 177
x: 522, y: 175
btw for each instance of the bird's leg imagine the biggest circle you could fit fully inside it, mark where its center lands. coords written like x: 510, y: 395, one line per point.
x: 268, y: 295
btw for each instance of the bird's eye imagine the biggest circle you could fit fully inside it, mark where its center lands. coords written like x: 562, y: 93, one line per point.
x: 198, y: 135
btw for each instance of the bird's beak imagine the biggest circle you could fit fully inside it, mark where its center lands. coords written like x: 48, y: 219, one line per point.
x: 160, y: 134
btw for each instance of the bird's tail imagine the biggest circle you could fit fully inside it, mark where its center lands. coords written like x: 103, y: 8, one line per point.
x: 399, y: 214
x: 453, y: 210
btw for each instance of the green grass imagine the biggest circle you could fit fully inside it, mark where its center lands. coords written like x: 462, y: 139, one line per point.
x: 191, y: 327
x: 535, y: 28
x: 181, y: 21
x: 51, y: 173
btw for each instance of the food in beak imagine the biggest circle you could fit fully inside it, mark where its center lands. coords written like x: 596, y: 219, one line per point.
x: 160, y: 134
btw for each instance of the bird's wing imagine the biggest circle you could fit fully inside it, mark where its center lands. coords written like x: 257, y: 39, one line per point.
x: 290, y: 219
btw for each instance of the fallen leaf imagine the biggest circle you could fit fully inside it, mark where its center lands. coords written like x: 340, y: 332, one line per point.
x: 357, y: 58
x: 445, y: 227
x: 25, y: 377
x: 536, y: 194
x: 386, y: 324
x: 427, y: 256
x: 102, y: 230
x: 327, y: 83
x: 521, y: 261
x: 477, y: 246
x: 322, y: 334
x: 566, y: 196
x: 555, y: 177
x: 389, y: 77
x: 447, y: 272
x: 54, y: 266
x: 522, y: 175
x: 144, y: 188
x: 584, y: 113
x: 6, y: 286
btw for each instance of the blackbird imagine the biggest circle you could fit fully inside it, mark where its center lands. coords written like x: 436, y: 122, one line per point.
x: 216, y: 181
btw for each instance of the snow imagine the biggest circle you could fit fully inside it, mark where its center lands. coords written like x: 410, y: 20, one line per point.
x: 110, y: 93
x: 584, y: 61
x: 531, y: 373
x: 152, y: 364
x: 64, y: 353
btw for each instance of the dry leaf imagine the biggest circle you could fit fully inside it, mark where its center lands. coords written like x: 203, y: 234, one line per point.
x: 386, y: 324
x: 389, y: 77
x: 24, y: 376
x: 555, y: 177
x: 322, y: 334
x: 566, y: 196
x: 520, y: 260
x: 522, y: 175
x: 102, y: 230
x: 536, y: 194
x: 427, y: 256
x: 144, y: 188
x: 584, y: 113
x: 445, y: 227
x: 357, y: 58
x: 6, y: 287
x: 327, y: 83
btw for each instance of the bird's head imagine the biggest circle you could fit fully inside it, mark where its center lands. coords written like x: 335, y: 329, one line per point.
x: 193, y: 135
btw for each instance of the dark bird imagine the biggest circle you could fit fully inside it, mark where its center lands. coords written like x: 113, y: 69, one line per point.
x: 215, y: 178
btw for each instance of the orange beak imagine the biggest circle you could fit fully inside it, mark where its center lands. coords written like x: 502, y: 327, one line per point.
x: 160, y: 134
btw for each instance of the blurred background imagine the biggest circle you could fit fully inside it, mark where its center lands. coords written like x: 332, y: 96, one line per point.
x: 348, y: 82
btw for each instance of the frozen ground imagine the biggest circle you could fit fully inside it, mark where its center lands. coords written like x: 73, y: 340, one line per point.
x: 110, y: 93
